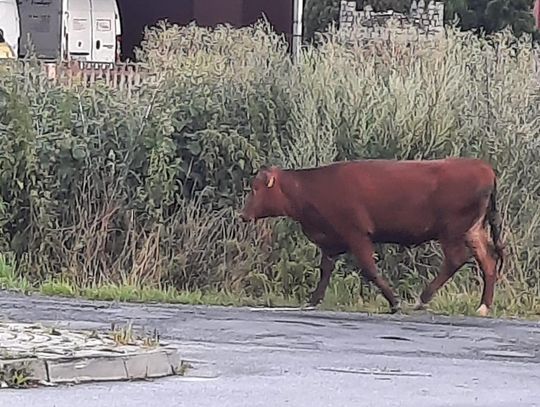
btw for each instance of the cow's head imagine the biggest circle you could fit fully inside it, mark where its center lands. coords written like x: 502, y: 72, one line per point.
x: 266, y: 197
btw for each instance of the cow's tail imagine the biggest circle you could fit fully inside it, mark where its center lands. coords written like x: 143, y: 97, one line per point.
x: 495, y: 222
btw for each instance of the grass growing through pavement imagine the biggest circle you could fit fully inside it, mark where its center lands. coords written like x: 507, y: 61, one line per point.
x: 125, y: 335
x: 15, y: 376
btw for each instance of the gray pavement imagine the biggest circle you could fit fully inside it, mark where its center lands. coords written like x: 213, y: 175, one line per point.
x: 246, y: 357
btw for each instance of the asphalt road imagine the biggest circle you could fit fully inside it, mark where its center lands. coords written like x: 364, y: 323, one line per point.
x: 246, y: 357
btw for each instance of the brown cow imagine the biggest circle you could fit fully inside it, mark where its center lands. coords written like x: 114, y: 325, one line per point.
x: 349, y: 206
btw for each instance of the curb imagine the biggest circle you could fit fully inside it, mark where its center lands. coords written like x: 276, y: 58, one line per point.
x: 151, y: 364
x: 82, y: 358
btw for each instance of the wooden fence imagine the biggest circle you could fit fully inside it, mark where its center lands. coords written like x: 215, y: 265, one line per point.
x: 117, y: 76
x: 123, y: 76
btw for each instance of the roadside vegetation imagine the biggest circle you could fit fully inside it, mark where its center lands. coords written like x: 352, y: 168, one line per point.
x: 110, y: 195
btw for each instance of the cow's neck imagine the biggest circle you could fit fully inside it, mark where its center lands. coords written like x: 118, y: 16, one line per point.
x: 291, y: 187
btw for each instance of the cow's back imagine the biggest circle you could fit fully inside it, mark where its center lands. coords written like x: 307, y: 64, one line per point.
x: 401, y: 201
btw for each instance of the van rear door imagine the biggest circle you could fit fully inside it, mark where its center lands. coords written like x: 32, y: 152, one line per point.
x: 79, y: 30
x: 104, y: 30
x: 10, y: 24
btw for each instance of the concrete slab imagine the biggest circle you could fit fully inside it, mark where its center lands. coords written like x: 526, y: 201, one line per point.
x: 53, y: 355
x: 148, y: 365
x: 86, y: 370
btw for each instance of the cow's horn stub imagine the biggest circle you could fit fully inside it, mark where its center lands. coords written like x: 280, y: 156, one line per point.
x: 271, y: 181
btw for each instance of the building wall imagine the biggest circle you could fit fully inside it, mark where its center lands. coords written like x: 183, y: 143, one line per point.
x: 136, y: 14
x: 279, y: 13
x: 209, y: 13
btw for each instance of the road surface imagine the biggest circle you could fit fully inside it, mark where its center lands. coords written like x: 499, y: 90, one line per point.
x: 245, y: 357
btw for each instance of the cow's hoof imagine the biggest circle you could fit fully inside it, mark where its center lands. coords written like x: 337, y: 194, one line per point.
x: 483, y: 311
x: 419, y: 306
x: 396, y: 309
x: 314, y: 302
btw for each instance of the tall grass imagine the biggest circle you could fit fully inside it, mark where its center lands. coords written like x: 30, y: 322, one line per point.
x: 99, y: 188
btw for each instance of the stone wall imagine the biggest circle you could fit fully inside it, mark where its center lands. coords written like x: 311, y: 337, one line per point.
x: 422, y: 20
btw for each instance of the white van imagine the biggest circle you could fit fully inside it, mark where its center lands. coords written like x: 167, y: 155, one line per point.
x: 86, y: 30
x: 10, y: 23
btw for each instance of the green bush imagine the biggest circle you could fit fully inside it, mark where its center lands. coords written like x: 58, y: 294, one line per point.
x: 99, y: 186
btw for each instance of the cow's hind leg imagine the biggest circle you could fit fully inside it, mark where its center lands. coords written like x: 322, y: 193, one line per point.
x: 456, y: 253
x: 363, y: 252
x: 478, y: 240
x: 326, y: 268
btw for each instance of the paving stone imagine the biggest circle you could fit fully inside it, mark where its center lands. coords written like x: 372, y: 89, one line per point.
x: 151, y: 364
x: 174, y: 360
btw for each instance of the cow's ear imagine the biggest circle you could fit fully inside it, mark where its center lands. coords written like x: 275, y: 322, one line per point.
x: 270, y: 180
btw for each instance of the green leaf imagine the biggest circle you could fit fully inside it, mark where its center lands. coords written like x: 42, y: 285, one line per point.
x: 194, y: 147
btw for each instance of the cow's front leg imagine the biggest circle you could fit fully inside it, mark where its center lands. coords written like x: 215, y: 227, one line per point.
x: 363, y: 251
x: 326, y: 267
